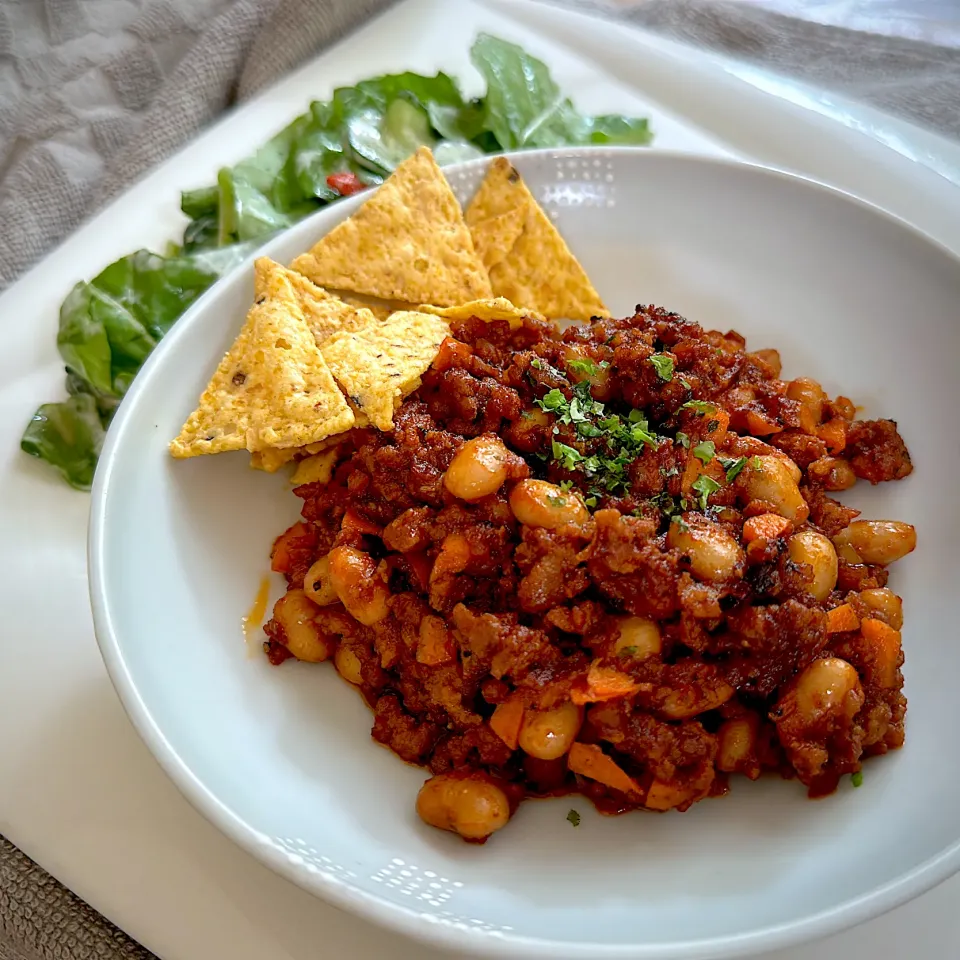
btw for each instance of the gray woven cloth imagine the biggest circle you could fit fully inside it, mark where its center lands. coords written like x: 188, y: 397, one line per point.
x: 93, y: 94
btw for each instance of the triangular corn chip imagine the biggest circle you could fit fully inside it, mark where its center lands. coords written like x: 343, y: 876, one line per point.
x: 220, y: 422
x: 495, y: 237
x: 324, y: 312
x: 497, y: 213
x: 272, y: 459
x: 381, y: 309
x: 331, y: 316
x: 538, y: 269
x: 317, y: 468
x: 272, y: 389
x: 498, y: 308
x: 407, y: 242
x: 379, y: 366
x: 270, y: 280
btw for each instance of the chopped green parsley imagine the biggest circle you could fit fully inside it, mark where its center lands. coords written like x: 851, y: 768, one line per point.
x: 574, y: 818
x: 700, y: 406
x: 683, y: 439
x: 568, y: 456
x: 663, y: 365
x: 584, y: 367
x: 704, y: 486
x: 705, y: 451
x: 857, y: 778
x: 733, y: 466
x: 538, y: 363
x: 622, y: 441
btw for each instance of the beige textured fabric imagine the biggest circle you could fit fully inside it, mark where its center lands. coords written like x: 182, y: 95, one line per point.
x: 92, y: 94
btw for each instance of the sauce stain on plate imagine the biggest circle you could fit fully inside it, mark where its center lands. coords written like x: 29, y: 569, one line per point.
x: 254, y: 617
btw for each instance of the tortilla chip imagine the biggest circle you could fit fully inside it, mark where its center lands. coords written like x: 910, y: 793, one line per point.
x: 407, y: 242
x: 272, y: 389
x: 270, y: 280
x: 497, y: 213
x: 495, y: 237
x: 502, y: 191
x: 220, y: 422
x: 538, y: 269
x: 316, y: 469
x: 301, y: 403
x: 381, y: 309
x: 325, y: 312
x: 496, y: 309
x: 334, y: 315
x: 273, y: 458
x: 379, y: 366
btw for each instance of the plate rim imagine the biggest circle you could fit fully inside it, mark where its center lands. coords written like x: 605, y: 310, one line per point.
x: 385, y: 913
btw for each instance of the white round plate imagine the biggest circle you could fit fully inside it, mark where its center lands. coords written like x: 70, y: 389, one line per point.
x: 281, y: 758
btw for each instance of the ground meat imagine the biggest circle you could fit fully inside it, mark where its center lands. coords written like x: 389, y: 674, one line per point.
x: 768, y: 645
x: 802, y: 448
x: 552, y: 568
x: 826, y: 513
x: 630, y: 566
x: 876, y: 451
x: 631, y: 612
x: 409, y: 738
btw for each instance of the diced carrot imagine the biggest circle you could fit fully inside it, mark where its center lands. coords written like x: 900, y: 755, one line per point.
x: 664, y: 795
x: 451, y: 352
x: 590, y: 761
x: 808, y: 419
x: 719, y: 435
x: 834, y: 435
x: 842, y: 619
x: 353, y: 521
x: 604, y: 683
x: 768, y: 526
x: 435, y: 645
x: 506, y: 722
x: 691, y: 472
x: 885, y: 642
x: 759, y: 425
x: 281, y: 558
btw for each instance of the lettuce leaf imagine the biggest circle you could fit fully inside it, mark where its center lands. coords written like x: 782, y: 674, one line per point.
x: 68, y: 436
x: 524, y: 107
x: 110, y: 325
x: 108, y: 328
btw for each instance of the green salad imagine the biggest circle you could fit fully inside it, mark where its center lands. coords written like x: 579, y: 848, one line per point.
x: 110, y: 324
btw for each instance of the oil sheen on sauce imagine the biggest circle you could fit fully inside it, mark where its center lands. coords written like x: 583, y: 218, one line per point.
x: 250, y: 623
